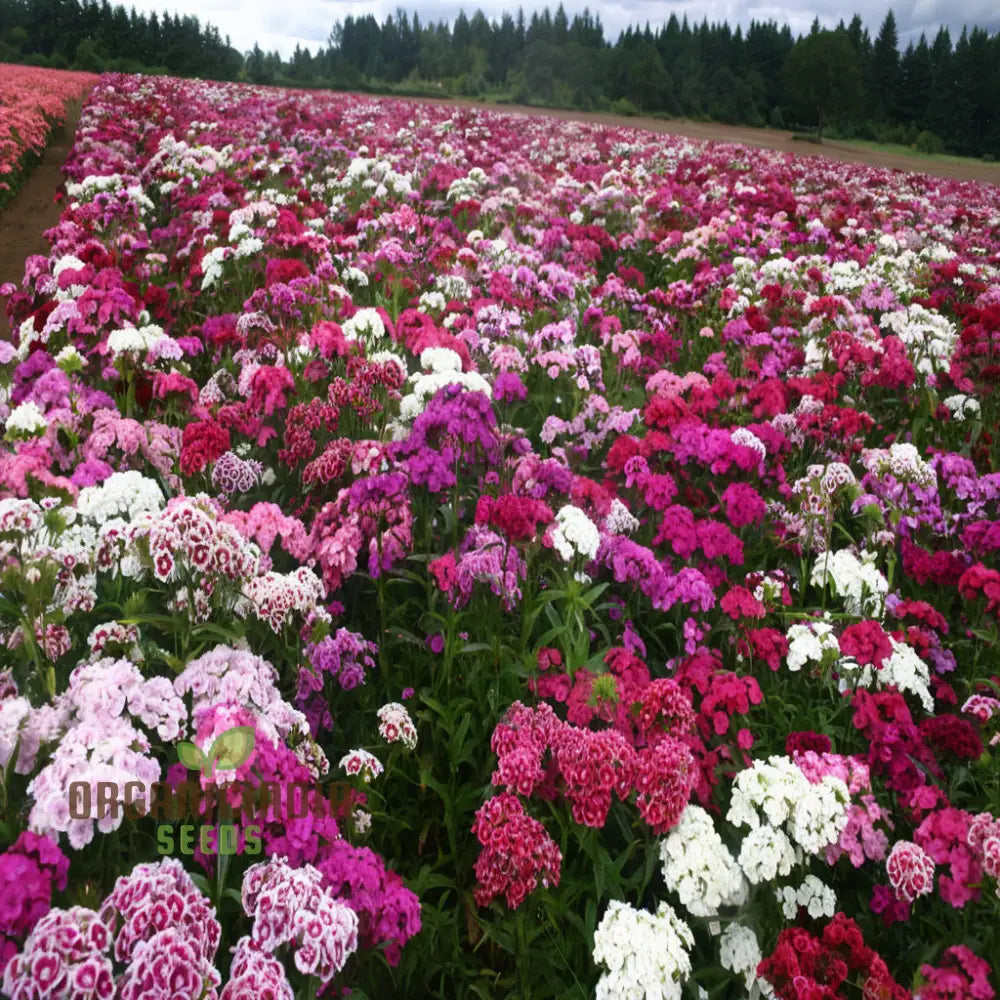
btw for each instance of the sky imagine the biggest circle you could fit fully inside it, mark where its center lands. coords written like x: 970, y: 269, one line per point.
x: 282, y: 25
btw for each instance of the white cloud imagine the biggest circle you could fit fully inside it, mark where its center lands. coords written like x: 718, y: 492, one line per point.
x: 308, y: 22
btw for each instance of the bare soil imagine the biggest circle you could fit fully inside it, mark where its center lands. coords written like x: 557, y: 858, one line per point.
x: 34, y: 209
x: 988, y: 173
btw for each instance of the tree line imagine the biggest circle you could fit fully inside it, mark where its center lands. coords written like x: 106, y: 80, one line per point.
x: 96, y: 35
x: 940, y: 93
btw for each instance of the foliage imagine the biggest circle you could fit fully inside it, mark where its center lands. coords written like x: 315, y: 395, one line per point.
x: 823, y: 77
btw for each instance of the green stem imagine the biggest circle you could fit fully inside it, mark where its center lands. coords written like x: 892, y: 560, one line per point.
x: 383, y: 652
x: 521, y: 955
x: 221, y: 870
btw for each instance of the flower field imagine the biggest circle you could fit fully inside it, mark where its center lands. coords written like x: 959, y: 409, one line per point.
x: 453, y: 554
x: 32, y: 100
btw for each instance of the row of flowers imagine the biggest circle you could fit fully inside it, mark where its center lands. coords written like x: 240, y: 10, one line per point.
x: 32, y: 102
x: 620, y: 512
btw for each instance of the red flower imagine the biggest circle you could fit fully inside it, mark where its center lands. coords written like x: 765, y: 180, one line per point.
x: 203, y: 442
x: 867, y: 643
x: 517, y: 518
x: 283, y: 271
x: 738, y: 603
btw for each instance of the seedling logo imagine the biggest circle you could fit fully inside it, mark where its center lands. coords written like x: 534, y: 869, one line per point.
x: 250, y: 802
x: 230, y: 749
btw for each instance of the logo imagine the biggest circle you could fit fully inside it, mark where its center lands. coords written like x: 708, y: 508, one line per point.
x: 230, y: 749
x: 248, y: 802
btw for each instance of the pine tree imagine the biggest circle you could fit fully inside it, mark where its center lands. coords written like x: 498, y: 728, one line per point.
x: 884, y: 73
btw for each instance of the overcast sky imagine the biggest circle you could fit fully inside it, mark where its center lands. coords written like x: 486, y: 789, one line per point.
x: 280, y: 25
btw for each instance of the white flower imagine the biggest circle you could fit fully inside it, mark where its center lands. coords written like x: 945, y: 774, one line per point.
x: 962, y: 407
x: 818, y: 899
x: 356, y: 276
x: 929, y: 337
x: 365, y: 324
x: 698, y: 866
x: 135, y: 341
x: 249, y: 246
x: 27, y: 420
x: 620, y: 520
x: 739, y: 951
x: 905, y: 670
x: 396, y: 726
x: 122, y: 494
x: 361, y: 762
x: 856, y: 580
x: 432, y: 302
x: 811, y: 642
x: 766, y: 853
x: 820, y: 814
x: 575, y: 534
x: 776, y: 793
x: 440, y: 360
x: 646, y: 954
x: 211, y: 265
x: 452, y: 286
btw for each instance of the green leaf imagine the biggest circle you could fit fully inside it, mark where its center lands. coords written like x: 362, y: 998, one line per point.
x: 232, y: 748
x: 202, y: 883
x: 190, y: 756
x: 215, y: 632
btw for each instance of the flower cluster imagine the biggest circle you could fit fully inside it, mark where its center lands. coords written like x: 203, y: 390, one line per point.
x: 646, y: 954
x: 517, y: 853
x: 290, y: 907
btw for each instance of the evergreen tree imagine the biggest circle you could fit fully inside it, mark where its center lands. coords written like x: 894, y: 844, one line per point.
x: 917, y: 71
x: 884, y: 72
x: 823, y: 78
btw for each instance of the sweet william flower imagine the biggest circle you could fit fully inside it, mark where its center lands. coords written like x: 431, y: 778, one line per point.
x: 25, y: 421
x: 517, y: 853
x: 645, y: 954
x: 396, y: 726
x: 911, y: 870
x: 361, y: 762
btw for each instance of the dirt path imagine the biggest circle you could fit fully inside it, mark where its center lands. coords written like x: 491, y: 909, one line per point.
x: 34, y: 209
x: 768, y: 138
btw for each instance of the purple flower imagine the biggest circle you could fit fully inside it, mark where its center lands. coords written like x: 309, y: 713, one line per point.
x: 508, y: 387
x: 91, y: 472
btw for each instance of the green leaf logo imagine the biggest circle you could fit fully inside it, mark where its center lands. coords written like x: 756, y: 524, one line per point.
x: 230, y: 749
x: 190, y: 756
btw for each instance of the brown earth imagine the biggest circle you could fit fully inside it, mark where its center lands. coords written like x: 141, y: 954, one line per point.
x: 34, y: 209
x: 768, y: 138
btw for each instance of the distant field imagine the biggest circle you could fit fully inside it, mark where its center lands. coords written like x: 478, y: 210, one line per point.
x: 876, y: 154
x: 896, y: 149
